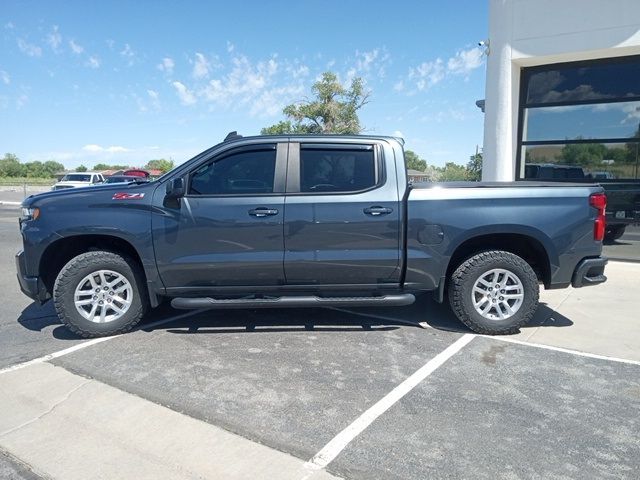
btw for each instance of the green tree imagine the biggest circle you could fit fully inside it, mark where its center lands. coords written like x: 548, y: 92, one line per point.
x: 82, y: 168
x: 414, y: 162
x: 474, y: 167
x: 161, y: 164
x: 333, y: 110
x: 283, y: 127
x: 52, y: 167
x: 583, y: 154
x: 452, y: 172
x: 105, y: 166
x: 35, y: 169
x: 10, y: 166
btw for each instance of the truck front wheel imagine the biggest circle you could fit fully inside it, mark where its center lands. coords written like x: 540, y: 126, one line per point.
x: 99, y: 293
x: 494, y: 292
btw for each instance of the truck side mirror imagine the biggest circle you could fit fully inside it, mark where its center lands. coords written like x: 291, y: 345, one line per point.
x: 175, y: 188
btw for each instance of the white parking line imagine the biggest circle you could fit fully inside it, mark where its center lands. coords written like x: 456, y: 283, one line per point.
x: 499, y: 338
x: 332, y: 449
x: 563, y: 350
x: 89, y: 343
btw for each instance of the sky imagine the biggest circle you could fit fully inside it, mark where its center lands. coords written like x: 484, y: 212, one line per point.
x: 83, y: 82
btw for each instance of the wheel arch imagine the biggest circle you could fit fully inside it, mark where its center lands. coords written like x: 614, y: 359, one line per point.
x: 59, y: 252
x: 527, y: 247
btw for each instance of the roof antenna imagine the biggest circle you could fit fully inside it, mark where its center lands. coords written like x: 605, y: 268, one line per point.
x: 232, y: 136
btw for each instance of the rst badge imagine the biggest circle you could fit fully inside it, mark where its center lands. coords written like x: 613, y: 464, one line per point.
x: 127, y: 196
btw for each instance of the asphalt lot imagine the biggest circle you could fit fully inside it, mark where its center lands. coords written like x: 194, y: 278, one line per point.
x: 493, y: 410
x: 626, y: 247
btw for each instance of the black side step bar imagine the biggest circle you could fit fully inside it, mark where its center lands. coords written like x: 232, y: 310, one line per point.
x: 281, y: 302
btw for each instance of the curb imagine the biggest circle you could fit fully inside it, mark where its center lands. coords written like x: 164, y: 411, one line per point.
x: 13, y: 204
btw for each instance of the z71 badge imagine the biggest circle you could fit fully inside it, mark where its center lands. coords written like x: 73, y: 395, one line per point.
x: 127, y: 196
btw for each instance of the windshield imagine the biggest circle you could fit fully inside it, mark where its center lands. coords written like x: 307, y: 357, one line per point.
x: 76, y: 177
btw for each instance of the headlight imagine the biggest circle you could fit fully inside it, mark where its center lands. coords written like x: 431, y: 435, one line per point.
x: 31, y: 213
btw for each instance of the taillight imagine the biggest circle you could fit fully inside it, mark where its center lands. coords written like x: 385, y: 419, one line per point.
x: 598, y: 201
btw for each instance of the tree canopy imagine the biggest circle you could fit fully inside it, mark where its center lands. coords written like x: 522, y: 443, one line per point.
x: 10, y: 166
x: 333, y: 110
x: 161, y: 164
x: 474, y: 167
x: 105, y: 166
x: 414, y: 162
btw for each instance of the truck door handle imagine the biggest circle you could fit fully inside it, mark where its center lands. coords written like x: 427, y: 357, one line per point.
x: 263, y: 212
x: 376, y: 211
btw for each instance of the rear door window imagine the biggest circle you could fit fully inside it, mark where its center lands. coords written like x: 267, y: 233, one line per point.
x: 326, y: 170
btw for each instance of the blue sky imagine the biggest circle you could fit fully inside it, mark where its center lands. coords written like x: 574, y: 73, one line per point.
x: 124, y: 82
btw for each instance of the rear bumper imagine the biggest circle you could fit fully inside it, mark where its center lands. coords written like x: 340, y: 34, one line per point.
x: 32, y: 287
x: 590, y: 271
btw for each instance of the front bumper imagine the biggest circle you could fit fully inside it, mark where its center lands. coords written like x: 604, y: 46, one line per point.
x: 590, y: 271
x: 32, y: 287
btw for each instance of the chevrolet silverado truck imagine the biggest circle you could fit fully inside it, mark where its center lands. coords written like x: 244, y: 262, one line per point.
x: 298, y: 221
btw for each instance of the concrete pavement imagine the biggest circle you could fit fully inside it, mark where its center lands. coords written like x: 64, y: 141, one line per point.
x: 604, y: 320
x: 70, y: 427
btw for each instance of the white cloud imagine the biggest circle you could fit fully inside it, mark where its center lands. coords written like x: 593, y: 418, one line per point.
x: 186, y: 96
x: 465, y: 61
x: 364, y: 60
x: 262, y: 87
x: 397, y: 133
x: 230, y: 47
x: 271, y: 102
x: 201, y: 66
x: 245, y: 80
x: 166, y: 65
x: 154, y: 99
x: 128, y: 53
x: 29, y: 48
x: 367, y: 63
x: 76, y: 48
x: 54, y: 39
x: 4, y: 76
x: 21, y: 101
x: 117, y: 149
x: 93, y: 148
x: 297, y: 71
x: 93, y: 62
x: 9, y: 25
x: 427, y: 74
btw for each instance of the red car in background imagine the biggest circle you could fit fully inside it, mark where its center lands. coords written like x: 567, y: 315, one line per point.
x: 136, y: 172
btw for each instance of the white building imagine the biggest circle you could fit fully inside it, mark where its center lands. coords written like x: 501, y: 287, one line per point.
x: 563, y: 87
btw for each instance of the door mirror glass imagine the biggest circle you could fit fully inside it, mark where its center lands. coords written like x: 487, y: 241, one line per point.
x: 175, y: 188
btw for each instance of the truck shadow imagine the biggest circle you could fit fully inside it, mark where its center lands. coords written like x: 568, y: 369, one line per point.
x: 424, y: 313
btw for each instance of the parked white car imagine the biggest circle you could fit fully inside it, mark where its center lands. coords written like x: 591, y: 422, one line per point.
x: 79, y: 179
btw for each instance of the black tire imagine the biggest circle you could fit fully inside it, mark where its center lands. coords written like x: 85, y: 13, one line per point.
x: 76, y: 270
x: 614, y: 232
x: 461, y: 294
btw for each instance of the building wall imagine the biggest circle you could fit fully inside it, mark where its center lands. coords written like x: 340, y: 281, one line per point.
x: 525, y: 33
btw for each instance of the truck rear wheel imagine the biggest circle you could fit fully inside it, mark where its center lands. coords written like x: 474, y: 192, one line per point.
x: 614, y: 232
x: 99, y: 293
x: 494, y: 292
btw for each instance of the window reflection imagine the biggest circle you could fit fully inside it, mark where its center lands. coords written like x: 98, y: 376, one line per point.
x: 583, y: 82
x: 598, y: 161
x: 602, y: 120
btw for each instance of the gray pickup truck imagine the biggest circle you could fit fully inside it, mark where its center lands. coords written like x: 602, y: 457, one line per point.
x: 296, y: 221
